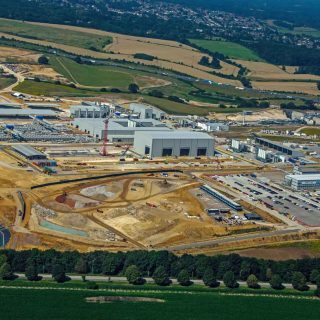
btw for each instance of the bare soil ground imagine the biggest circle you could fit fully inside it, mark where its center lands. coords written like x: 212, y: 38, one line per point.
x: 268, y: 114
x: 124, y: 213
x: 43, y: 72
x: 21, y: 55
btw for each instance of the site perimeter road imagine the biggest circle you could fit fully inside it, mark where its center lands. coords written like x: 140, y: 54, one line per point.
x: 230, y: 239
x: 18, y: 77
x: 101, y: 278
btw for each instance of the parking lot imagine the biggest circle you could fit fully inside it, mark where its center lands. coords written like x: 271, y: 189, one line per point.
x: 255, y: 187
x: 218, y: 210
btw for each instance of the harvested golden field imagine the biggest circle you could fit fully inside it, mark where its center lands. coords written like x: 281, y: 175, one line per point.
x: 14, y: 54
x: 301, y: 87
x: 170, y: 54
x: 263, y: 70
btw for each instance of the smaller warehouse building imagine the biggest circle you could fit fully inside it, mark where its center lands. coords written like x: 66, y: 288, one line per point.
x: 213, y: 126
x: 145, y: 111
x: 303, y: 181
x: 306, y: 170
x: 173, y: 143
x: 29, y: 152
x: 278, y: 147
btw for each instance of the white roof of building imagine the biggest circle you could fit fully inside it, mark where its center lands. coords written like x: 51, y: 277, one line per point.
x: 178, y: 134
x: 27, y: 112
x: 304, y: 177
x: 119, y: 124
x: 28, y: 151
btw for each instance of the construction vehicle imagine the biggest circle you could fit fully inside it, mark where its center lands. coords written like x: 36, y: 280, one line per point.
x: 49, y: 171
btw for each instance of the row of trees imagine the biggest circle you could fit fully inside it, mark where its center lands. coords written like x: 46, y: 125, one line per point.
x: 160, y: 276
x: 101, y: 262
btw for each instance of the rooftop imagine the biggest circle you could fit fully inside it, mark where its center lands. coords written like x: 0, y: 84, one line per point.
x: 27, y: 112
x: 27, y: 150
x: 179, y: 134
x: 304, y: 177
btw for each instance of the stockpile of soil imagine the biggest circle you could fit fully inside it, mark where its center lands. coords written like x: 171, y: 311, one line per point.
x: 109, y: 299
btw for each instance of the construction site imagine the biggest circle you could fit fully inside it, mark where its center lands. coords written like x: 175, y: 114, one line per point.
x: 103, y: 176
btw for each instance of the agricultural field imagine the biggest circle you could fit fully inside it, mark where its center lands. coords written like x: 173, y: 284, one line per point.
x: 73, y: 38
x: 308, y: 31
x: 51, y: 89
x: 172, y: 55
x: 193, y: 304
x: 173, y: 107
x: 267, y: 71
x: 6, y: 82
x: 284, y: 86
x: 102, y: 76
x: 231, y: 49
x: 310, y: 131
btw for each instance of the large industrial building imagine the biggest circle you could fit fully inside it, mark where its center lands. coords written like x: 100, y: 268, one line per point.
x: 88, y: 110
x: 145, y: 111
x: 278, y: 147
x: 119, y: 130
x: 303, y: 181
x: 173, y: 143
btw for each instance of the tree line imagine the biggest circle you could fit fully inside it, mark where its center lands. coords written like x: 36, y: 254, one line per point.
x: 161, y: 265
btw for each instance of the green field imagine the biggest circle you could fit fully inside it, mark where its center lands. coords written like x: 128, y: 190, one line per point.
x: 68, y: 37
x: 311, y: 131
x: 6, y: 82
x: 172, y: 107
x: 313, y: 246
x: 231, y: 49
x: 186, y: 303
x: 93, y: 76
x: 50, y: 89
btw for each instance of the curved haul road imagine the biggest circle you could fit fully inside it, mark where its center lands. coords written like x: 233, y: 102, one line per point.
x: 212, y: 243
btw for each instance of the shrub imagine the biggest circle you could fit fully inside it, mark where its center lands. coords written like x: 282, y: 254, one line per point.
x: 229, y: 280
x: 6, y: 272
x: 133, y: 275
x: 252, y: 282
x: 92, y: 285
x: 58, y: 273
x: 209, y: 279
x: 276, y: 282
x: 31, y: 272
x: 299, y: 281
x: 160, y: 277
x: 184, y: 278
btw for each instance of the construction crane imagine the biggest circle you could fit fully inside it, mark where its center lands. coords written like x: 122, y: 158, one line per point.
x: 104, y: 151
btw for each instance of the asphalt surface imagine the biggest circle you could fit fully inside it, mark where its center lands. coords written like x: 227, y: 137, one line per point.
x: 4, y: 236
x: 229, y: 239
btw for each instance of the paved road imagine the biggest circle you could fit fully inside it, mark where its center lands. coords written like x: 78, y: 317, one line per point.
x: 4, y: 236
x: 216, y: 242
x: 148, y: 280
